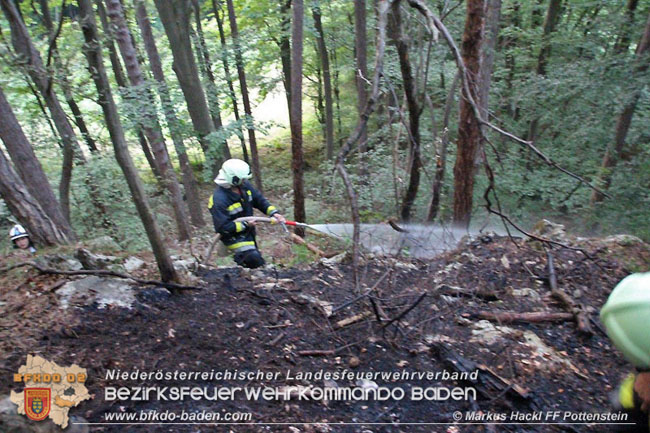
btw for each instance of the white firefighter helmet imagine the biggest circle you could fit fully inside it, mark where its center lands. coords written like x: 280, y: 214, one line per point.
x: 18, y: 232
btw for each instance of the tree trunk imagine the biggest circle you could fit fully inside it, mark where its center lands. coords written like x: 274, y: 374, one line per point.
x: 205, y: 65
x: 148, y: 121
x: 551, y: 20
x: 93, y: 53
x: 257, y: 173
x: 25, y: 48
x: 469, y: 135
x: 625, y: 119
x: 488, y: 47
x: 297, y: 164
x: 552, y: 17
x: 174, y: 15
x: 28, y: 167
x: 414, y: 114
x: 217, y: 10
x: 120, y: 79
x: 623, y: 41
x: 361, y: 72
x: 285, y: 49
x: 189, y: 180
x: 441, y: 154
x: 26, y: 209
x: 327, y: 82
x: 65, y: 83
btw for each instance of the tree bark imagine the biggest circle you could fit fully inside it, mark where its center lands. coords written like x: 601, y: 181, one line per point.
x: 31, y: 57
x: 93, y: 53
x: 234, y: 32
x: 469, y: 135
x: 297, y: 163
x: 623, y: 42
x: 148, y: 121
x: 189, y: 180
x: 550, y: 21
x: 26, y: 209
x: 488, y: 47
x: 361, y: 72
x: 65, y: 83
x: 441, y: 154
x: 174, y: 15
x: 327, y: 82
x: 27, y: 165
x: 625, y: 118
x: 217, y: 10
x: 414, y: 109
x: 120, y: 79
x: 205, y: 64
x: 285, y: 48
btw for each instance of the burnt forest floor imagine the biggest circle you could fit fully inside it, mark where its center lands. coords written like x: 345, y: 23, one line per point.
x: 267, y: 319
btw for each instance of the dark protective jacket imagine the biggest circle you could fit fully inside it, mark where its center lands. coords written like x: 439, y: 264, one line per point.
x: 226, y: 205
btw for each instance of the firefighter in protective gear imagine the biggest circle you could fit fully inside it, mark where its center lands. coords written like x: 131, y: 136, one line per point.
x: 21, y: 239
x: 626, y: 316
x: 234, y: 197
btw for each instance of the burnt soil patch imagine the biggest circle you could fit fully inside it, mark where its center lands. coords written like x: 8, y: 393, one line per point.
x: 267, y: 319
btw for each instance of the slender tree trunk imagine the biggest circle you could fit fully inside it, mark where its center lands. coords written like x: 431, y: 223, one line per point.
x: 414, y: 109
x: 217, y: 10
x: 148, y: 122
x: 93, y: 53
x: 65, y: 83
x: 488, y: 47
x: 441, y: 153
x: 174, y: 15
x: 551, y: 20
x: 297, y: 164
x: 623, y: 41
x: 327, y: 81
x: 257, y: 173
x: 285, y: 48
x: 25, y: 48
x: 28, y: 167
x: 206, y: 66
x: 361, y: 72
x: 189, y: 180
x: 120, y: 79
x: 26, y: 209
x: 468, y: 128
x: 625, y: 118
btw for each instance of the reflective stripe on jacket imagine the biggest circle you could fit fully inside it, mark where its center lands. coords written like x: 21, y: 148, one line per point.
x: 629, y: 401
x: 226, y: 205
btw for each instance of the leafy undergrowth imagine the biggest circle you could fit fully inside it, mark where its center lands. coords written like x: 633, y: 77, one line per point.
x: 271, y: 320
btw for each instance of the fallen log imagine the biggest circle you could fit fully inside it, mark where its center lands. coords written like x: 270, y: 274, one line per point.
x: 514, y: 317
x: 316, y: 352
x: 300, y: 241
x: 581, y: 317
x: 460, y: 292
x: 352, y: 319
x: 488, y: 383
x: 99, y: 272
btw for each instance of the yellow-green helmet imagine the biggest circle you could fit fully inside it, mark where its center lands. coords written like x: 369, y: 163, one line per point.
x: 626, y: 316
x: 235, y: 171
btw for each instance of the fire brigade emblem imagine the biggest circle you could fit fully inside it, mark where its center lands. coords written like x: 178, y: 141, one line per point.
x: 37, y: 403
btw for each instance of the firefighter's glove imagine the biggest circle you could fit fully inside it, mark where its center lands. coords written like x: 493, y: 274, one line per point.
x: 642, y: 389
